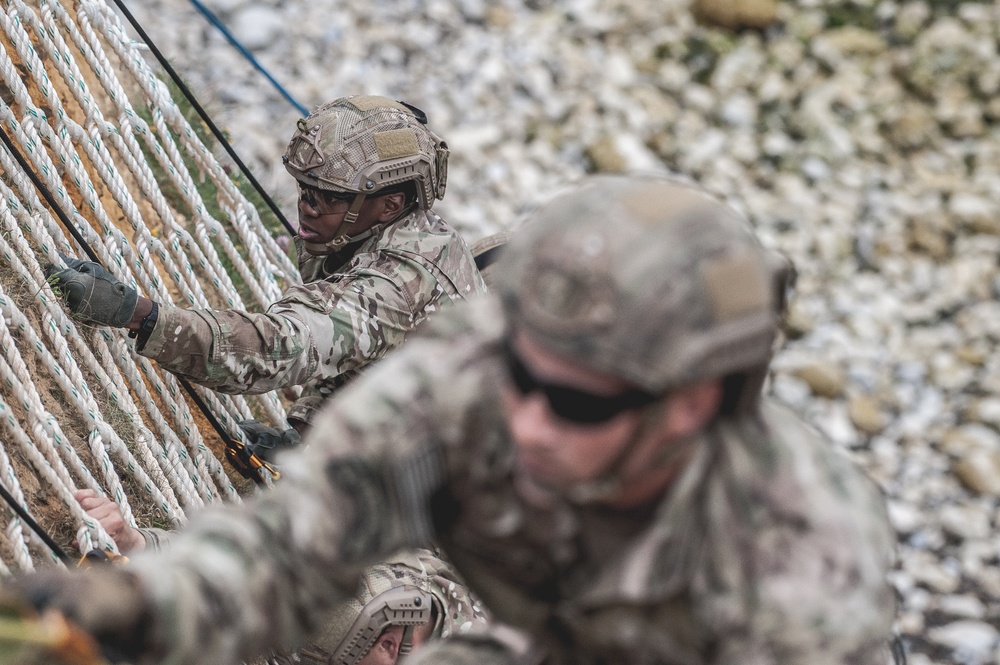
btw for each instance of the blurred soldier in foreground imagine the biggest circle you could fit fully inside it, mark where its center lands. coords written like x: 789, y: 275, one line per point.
x: 592, y: 452
x: 402, y: 602
x: 374, y: 259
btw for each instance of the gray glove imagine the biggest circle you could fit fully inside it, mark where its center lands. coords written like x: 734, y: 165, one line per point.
x: 265, y: 442
x: 92, y: 293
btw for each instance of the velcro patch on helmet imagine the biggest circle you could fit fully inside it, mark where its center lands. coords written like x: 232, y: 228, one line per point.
x: 369, y: 102
x: 396, y: 143
x: 655, y: 205
x: 737, y: 285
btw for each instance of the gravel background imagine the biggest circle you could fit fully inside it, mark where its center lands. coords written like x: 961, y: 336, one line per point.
x: 862, y: 138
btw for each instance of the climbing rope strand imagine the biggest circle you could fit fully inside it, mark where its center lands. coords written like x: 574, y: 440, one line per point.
x: 201, y: 112
x: 103, y: 255
x: 90, y: 412
x: 16, y: 538
x: 103, y: 147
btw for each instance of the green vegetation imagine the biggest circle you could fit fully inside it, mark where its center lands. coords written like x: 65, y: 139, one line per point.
x: 207, y: 189
x: 852, y: 15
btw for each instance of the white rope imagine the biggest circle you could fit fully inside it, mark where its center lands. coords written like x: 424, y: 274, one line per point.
x: 54, y: 319
x: 17, y: 540
x: 77, y: 405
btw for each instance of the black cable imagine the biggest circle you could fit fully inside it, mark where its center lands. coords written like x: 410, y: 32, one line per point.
x: 66, y: 222
x: 245, y: 52
x: 35, y: 526
x: 46, y: 194
x: 220, y: 137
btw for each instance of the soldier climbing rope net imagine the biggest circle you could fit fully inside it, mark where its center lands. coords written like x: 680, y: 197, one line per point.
x: 94, y: 140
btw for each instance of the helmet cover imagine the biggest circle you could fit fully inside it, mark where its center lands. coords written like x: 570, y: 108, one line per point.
x: 647, y: 278
x: 365, y: 144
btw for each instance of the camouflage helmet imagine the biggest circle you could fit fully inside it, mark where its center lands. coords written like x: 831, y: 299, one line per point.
x: 647, y: 278
x: 409, y: 589
x: 364, y: 144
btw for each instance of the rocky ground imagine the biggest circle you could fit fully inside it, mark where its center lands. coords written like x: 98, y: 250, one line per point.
x: 861, y: 137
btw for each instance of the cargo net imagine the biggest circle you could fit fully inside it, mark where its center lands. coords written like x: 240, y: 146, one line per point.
x: 78, y: 407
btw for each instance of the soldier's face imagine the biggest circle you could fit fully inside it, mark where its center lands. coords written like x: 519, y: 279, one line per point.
x: 321, y: 215
x: 552, y: 450
x: 644, y: 445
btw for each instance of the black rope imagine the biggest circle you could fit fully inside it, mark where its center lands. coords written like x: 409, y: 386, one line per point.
x: 35, y: 526
x: 57, y: 209
x: 46, y: 194
x: 220, y: 137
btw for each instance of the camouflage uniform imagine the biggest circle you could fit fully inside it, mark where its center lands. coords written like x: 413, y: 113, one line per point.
x: 739, y: 563
x: 361, y: 294
x: 370, y: 274
x: 768, y: 546
x: 348, y: 312
x: 456, y: 610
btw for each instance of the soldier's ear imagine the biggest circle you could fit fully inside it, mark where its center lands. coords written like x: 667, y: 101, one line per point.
x: 385, y: 651
x: 392, y: 204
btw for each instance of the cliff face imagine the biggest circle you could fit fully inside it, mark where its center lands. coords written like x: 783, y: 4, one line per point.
x: 861, y: 138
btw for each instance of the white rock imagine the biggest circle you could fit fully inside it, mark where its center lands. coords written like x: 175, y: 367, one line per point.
x: 977, y: 211
x: 965, y: 522
x: 965, y: 606
x: 971, y: 437
x: 986, y: 410
x: 979, y: 470
x: 739, y: 111
x: 905, y: 517
x: 975, y: 638
x: 257, y: 26
x: 926, y: 570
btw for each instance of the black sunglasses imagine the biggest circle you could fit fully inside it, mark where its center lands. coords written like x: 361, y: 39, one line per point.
x: 313, y: 195
x: 571, y: 404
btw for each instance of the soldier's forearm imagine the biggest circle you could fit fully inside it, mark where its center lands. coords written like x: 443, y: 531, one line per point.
x: 232, y: 351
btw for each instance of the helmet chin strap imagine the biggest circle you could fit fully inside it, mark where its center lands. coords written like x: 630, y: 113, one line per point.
x: 355, y: 209
x: 338, y: 243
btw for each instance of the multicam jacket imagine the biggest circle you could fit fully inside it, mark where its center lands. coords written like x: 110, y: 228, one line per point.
x: 348, y: 311
x: 770, y: 547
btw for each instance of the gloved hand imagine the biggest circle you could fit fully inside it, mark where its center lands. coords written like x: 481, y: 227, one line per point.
x: 92, y: 293
x: 265, y: 442
x: 104, y: 602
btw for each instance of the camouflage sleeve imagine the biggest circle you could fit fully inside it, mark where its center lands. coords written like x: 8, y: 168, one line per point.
x: 316, y: 331
x: 355, y: 319
x: 798, y: 567
x: 157, y: 540
x: 241, y: 580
